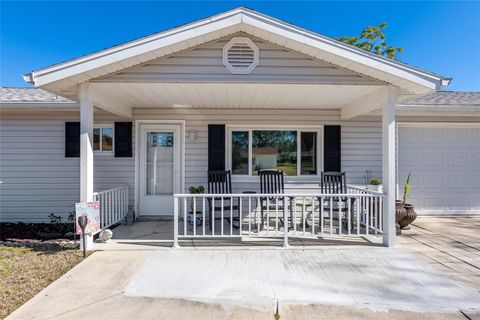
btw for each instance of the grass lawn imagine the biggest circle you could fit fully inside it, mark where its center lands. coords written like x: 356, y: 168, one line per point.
x: 24, y: 272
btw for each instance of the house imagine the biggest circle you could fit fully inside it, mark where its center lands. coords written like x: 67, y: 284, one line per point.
x: 149, y: 118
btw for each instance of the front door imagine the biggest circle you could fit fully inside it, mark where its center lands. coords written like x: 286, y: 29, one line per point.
x: 160, y: 172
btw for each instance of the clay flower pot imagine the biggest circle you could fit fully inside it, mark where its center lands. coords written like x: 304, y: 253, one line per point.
x: 410, y: 216
x: 400, y: 214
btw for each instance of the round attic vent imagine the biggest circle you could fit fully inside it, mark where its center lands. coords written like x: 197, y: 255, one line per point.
x: 240, y: 55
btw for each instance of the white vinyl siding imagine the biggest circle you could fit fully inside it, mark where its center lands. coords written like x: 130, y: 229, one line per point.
x: 361, y: 139
x: 204, y: 63
x: 37, y: 179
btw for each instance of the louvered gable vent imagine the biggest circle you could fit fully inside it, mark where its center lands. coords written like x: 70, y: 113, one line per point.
x: 240, y: 55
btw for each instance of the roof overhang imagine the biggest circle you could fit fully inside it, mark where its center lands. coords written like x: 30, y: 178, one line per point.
x: 60, y: 77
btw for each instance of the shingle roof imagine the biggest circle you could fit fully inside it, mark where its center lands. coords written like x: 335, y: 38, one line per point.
x: 30, y: 95
x: 445, y: 98
x: 441, y: 98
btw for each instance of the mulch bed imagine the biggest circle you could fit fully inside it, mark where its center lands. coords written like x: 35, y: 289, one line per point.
x: 25, y: 271
x: 38, y: 231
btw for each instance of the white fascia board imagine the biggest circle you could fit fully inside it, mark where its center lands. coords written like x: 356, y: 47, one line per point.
x: 129, y: 50
x: 349, y: 53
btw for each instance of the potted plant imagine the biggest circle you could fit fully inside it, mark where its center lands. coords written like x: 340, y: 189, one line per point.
x: 375, y: 185
x: 198, y: 214
x: 410, y: 215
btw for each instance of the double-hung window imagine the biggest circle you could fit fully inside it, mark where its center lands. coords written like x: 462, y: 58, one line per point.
x: 294, y: 151
x: 103, y: 138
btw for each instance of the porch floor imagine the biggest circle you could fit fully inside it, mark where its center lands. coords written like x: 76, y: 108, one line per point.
x: 155, y: 234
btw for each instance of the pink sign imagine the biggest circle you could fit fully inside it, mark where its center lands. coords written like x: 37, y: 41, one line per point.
x: 92, y: 211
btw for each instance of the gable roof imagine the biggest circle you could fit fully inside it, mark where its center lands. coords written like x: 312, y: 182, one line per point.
x: 60, y: 77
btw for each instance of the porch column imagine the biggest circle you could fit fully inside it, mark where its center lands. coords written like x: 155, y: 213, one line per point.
x: 388, y: 165
x: 86, y: 151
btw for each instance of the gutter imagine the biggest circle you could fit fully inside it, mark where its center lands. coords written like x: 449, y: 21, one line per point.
x: 28, y: 77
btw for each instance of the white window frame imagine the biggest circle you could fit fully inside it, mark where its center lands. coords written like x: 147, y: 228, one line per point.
x: 103, y: 126
x: 297, y: 128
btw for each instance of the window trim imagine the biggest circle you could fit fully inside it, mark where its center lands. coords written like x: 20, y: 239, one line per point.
x: 103, y: 126
x: 251, y: 128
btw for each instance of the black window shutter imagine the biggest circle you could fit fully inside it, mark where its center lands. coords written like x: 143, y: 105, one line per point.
x: 72, y: 139
x: 332, y: 148
x: 216, y: 147
x: 123, y: 139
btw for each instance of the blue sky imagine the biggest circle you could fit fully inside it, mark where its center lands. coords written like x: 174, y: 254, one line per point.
x: 442, y: 37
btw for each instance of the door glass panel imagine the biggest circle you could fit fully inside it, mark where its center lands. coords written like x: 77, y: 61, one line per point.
x: 159, y: 163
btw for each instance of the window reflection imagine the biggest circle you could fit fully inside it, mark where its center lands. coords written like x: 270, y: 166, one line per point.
x: 308, y: 152
x: 107, y: 139
x: 240, y: 152
x: 274, y: 150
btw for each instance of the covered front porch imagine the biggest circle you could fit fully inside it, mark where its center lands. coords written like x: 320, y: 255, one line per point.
x: 302, y: 212
x: 242, y: 92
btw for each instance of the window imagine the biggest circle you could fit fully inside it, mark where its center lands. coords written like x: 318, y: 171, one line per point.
x: 103, y: 138
x: 295, y: 152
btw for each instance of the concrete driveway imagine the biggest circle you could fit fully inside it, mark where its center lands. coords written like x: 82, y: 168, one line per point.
x: 192, y: 283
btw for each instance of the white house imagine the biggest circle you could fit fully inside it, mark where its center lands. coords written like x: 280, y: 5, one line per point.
x: 156, y: 114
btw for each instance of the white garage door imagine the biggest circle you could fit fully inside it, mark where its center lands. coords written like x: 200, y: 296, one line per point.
x: 445, y: 167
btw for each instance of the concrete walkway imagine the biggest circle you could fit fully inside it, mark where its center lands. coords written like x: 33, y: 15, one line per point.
x: 433, y: 274
x: 362, y: 283
x: 451, y: 245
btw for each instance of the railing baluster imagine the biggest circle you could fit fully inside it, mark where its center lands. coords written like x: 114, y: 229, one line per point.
x: 231, y: 216
x: 367, y: 222
x: 194, y: 215
x: 221, y: 215
x: 358, y: 215
x: 276, y: 216
x: 184, y: 202
x: 349, y: 215
x: 268, y: 215
x: 313, y: 215
x: 331, y: 215
x: 304, y: 215
x: 240, y: 214
x: 203, y: 216
x: 212, y: 220
x: 321, y: 215
x: 249, y: 215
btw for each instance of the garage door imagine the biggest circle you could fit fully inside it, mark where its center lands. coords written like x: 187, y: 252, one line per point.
x: 445, y: 167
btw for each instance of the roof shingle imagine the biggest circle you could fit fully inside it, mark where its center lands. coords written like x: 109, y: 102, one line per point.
x: 31, y: 95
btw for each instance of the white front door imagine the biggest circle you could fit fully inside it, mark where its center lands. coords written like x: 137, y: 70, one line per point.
x: 160, y: 172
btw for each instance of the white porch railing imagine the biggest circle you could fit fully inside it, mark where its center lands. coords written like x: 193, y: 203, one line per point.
x: 113, y: 205
x: 356, y: 213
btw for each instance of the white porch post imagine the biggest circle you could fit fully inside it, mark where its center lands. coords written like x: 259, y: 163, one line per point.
x: 388, y: 164
x: 86, y: 151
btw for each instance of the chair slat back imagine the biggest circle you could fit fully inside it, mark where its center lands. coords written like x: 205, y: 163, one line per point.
x: 333, y: 182
x: 271, y: 181
x: 219, y: 182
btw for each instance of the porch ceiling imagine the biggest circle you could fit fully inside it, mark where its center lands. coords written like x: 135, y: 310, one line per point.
x: 229, y: 95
